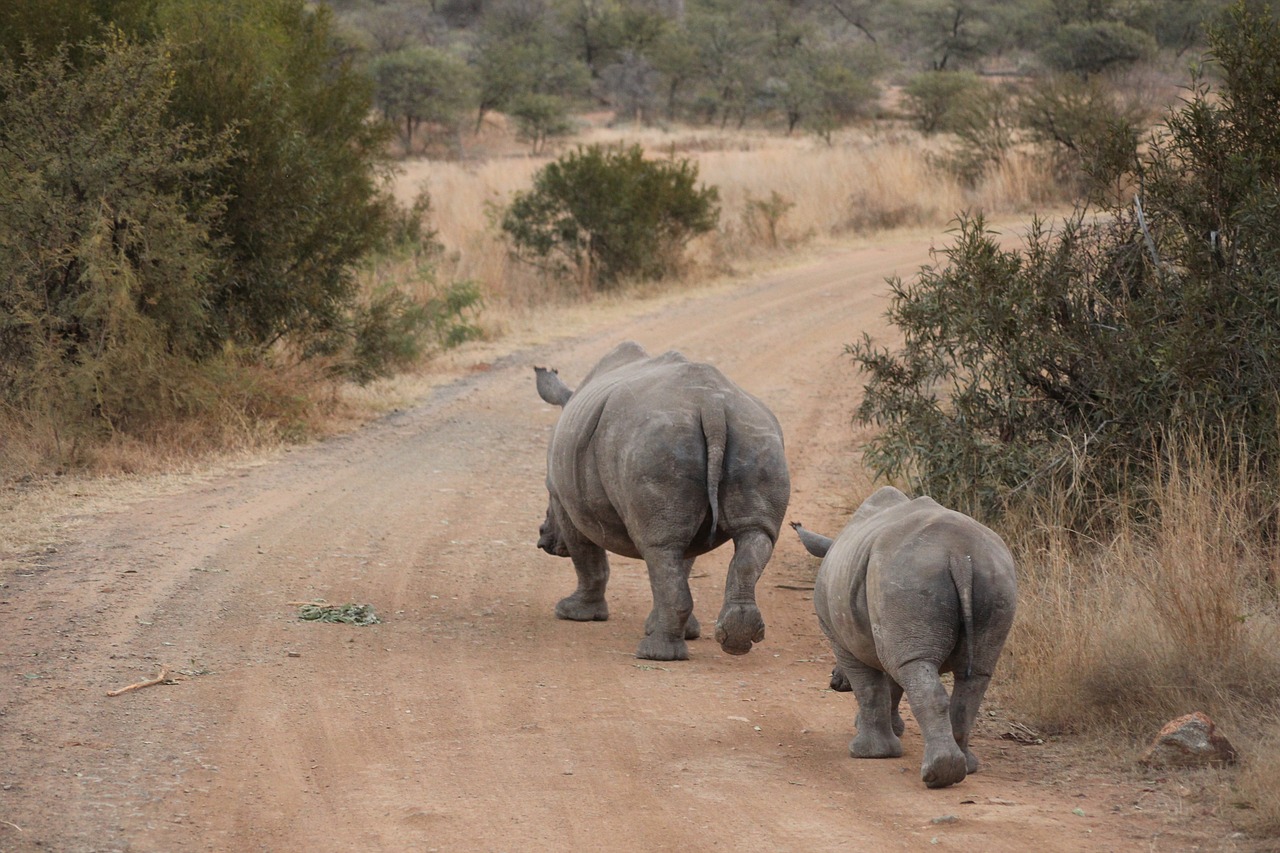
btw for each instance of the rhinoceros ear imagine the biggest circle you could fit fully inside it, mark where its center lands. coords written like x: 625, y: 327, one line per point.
x: 551, y: 388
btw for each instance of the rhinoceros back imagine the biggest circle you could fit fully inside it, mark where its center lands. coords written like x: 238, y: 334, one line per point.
x: 640, y: 451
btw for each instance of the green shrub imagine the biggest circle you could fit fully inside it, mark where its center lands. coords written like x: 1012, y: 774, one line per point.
x: 601, y: 214
x: 107, y: 250
x: 932, y: 99
x: 1092, y: 48
x: 304, y: 191
x: 1089, y: 130
x: 1065, y: 366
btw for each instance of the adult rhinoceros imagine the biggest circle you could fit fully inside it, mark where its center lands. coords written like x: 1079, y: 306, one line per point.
x: 906, y: 591
x: 663, y: 459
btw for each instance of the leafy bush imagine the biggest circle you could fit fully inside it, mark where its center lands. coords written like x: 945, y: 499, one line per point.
x: 1091, y: 131
x: 391, y: 329
x: 1092, y: 48
x: 1067, y: 365
x: 934, y: 98
x: 422, y: 85
x: 304, y: 189
x: 601, y: 214
x: 984, y: 125
x: 540, y: 118
x: 106, y: 238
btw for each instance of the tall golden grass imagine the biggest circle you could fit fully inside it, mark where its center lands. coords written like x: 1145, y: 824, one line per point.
x: 866, y: 180
x: 1173, y: 614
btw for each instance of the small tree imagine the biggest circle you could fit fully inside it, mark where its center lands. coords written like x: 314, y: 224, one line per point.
x: 1093, y: 48
x: 933, y: 99
x: 106, y: 241
x: 422, y: 85
x: 602, y: 214
x: 539, y: 119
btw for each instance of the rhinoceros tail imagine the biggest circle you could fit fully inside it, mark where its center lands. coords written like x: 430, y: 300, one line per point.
x: 962, y: 577
x: 716, y: 433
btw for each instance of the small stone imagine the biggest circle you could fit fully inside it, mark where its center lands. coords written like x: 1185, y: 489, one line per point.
x: 1189, y: 741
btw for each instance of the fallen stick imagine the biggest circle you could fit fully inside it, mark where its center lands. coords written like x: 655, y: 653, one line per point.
x: 151, y: 682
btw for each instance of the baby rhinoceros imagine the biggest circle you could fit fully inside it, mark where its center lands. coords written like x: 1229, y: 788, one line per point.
x: 906, y: 591
x: 663, y: 459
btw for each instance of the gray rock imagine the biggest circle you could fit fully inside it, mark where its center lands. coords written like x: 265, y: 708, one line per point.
x: 1189, y: 741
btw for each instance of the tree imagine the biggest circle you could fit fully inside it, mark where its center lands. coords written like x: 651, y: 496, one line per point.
x: 540, y: 118
x: 48, y: 26
x: 517, y: 55
x: 422, y: 85
x: 106, y: 238
x: 601, y: 214
x: 1093, y: 48
x: 305, y: 197
x: 1065, y: 367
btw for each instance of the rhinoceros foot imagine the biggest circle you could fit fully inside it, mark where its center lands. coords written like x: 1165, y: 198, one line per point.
x: 739, y: 626
x: 658, y: 647
x: 579, y: 609
x: 943, y: 767
x: 869, y: 743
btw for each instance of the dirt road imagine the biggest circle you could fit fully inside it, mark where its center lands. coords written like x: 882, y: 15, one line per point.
x: 471, y: 719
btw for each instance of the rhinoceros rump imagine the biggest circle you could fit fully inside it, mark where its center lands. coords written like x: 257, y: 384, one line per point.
x: 906, y: 591
x: 663, y: 459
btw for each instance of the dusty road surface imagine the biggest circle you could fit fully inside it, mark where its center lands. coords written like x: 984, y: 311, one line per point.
x: 470, y: 719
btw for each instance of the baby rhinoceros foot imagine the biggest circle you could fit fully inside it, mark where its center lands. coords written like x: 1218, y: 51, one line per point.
x: 739, y: 626
x: 578, y: 609
x: 943, y: 767
x: 659, y: 647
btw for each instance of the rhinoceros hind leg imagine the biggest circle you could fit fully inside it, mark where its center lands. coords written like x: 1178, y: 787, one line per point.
x: 740, y: 624
x: 575, y: 609
x: 659, y: 647
x: 692, y: 629
x: 966, y: 696
x: 587, y: 603
x: 876, y: 737
x: 944, y: 760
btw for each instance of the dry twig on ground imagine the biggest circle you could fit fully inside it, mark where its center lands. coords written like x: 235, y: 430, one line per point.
x: 152, y: 682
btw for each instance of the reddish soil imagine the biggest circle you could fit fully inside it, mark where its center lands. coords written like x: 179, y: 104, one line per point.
x: 471, y: 719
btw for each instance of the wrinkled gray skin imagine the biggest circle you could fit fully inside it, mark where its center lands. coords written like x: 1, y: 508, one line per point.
x: 906, y: 591
x: 663, y: 459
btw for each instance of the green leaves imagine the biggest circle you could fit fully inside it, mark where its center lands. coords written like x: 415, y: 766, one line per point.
x: 105, y: 235
x: 601, y: 214
x: 1066, y: 366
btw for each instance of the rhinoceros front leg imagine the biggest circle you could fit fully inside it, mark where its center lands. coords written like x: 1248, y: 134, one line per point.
x: 692, y: 630
x: 944, y: 759
x: 668, y: 624
x: 587, y: 603
x: 740, y: 623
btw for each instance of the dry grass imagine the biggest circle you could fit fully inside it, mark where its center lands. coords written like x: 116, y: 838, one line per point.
x: 868, y: 180
x: 1113, y: 639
